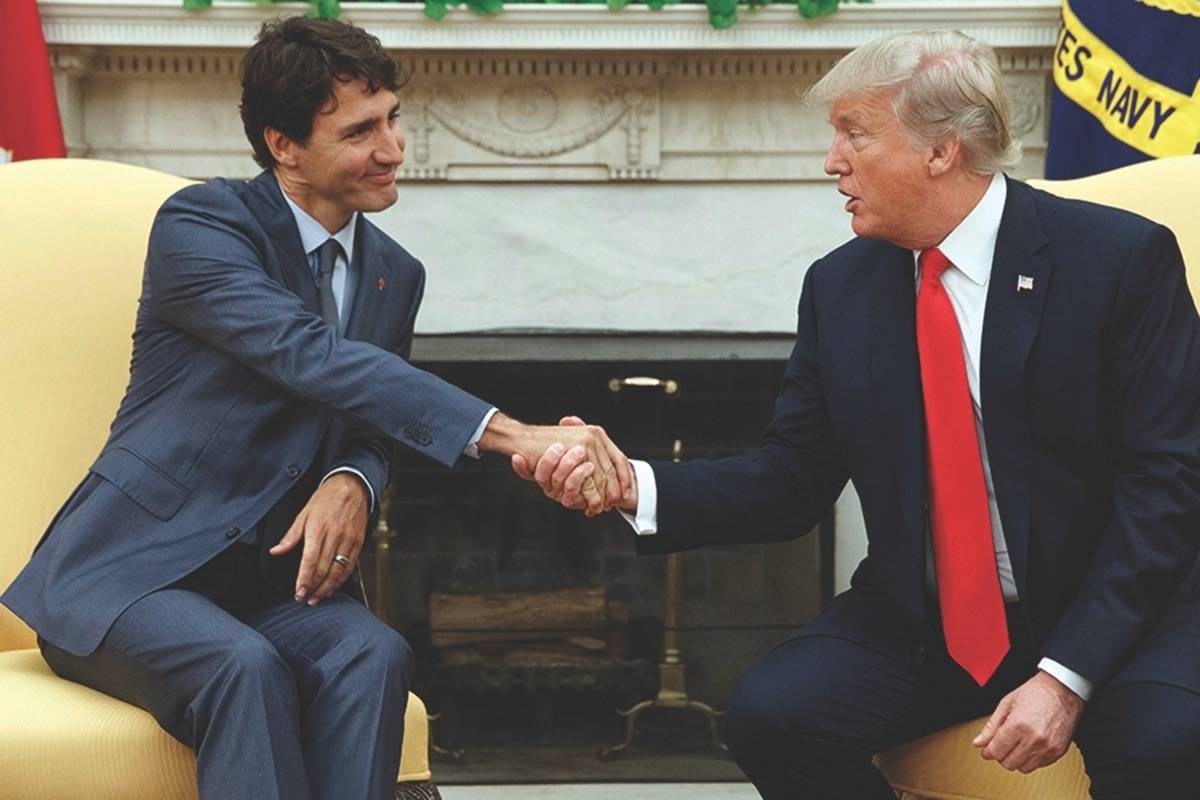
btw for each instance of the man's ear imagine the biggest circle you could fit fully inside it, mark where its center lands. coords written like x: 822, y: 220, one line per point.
x: 281, y: 147
x: 944, y: 156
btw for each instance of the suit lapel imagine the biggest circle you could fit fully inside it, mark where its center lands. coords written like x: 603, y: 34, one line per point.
x: 896, y: 383
x: 1017, y: 290
x: 373, y: 286
x: 266, y: 203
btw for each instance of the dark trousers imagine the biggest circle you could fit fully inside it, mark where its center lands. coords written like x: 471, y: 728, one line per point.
x: 280, y: 701
x: 804, y: 723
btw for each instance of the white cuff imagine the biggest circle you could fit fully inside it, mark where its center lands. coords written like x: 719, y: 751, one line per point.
x: 1068, y: 678
x: 472, y: 448
x: 361, y: 477
x: 646, y: 521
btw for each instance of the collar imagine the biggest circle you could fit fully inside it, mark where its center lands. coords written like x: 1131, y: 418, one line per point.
x: 313, y: 233
x: 971, y: 246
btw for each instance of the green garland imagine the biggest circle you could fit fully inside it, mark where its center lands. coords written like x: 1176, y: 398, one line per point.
x: 721, y: 13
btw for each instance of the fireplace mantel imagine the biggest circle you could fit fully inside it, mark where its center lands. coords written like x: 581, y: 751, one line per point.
x: 568, y: 168
x: 549, y: 28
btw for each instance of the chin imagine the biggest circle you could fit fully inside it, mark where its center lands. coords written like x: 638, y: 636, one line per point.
x: 861, y: 227
x: 378, y: 201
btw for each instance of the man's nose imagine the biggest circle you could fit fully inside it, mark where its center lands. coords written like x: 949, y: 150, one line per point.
x: 392, y: 149
x: 834, y: 163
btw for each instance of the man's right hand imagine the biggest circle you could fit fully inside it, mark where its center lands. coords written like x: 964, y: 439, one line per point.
x: 604, y: 477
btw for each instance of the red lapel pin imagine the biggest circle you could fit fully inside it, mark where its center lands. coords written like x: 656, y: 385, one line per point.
x: 380, y: 284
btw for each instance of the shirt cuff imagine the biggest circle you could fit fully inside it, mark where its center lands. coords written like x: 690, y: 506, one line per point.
x: 1068, y: 678
x: 472, y: 448
x: 646, y: 521
x: 361, y: 477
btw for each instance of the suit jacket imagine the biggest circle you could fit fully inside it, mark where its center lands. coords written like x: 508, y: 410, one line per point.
x: 1090, y: 390
x: 235, y: 382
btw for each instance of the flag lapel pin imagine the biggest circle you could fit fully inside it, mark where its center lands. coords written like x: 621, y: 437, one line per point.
x: 379, y: 283
x: 1024, y: 283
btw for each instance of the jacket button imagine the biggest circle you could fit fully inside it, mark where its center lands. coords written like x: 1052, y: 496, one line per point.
x: 233, y: 533
x: 293, y: 471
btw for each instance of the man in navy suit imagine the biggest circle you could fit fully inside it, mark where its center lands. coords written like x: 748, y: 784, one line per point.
x: 1012, y: 382
x: 200, y: 569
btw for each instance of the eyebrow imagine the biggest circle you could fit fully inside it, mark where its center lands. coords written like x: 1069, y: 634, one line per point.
x: 354, y: 126
x: 851, y: 117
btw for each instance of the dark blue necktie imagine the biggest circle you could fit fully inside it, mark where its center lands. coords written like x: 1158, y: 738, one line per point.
x: 326, y: 257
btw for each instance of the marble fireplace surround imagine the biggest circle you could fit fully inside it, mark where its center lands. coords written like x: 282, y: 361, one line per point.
x: 568, y: 168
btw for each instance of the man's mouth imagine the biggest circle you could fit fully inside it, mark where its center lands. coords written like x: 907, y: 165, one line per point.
x: 852, y: 202
x: 383, y: 177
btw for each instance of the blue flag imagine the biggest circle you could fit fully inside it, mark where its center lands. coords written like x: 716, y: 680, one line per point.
x: 1126, y: 85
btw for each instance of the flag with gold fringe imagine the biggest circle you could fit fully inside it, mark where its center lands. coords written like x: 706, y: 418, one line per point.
x: 1126, y: 84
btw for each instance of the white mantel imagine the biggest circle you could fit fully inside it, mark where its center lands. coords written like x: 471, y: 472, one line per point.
x: 555, y: 27
x: 568, y: 167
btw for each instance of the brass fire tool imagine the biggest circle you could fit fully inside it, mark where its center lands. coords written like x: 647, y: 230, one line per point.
x: 672, y: 685
x: 383, y: 561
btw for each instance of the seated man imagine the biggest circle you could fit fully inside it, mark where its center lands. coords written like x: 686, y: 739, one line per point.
x: 200, y: 569
x: 1012, y: 382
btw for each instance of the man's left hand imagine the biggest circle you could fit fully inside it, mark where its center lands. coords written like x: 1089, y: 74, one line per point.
x: 1032, y: 726
x: 333, y: 522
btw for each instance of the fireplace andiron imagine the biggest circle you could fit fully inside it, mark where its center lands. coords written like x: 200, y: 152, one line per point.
x: 672, y: 688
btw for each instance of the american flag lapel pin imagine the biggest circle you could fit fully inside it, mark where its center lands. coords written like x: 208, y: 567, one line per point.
x: 380, y: 284
x: 1024, y: 283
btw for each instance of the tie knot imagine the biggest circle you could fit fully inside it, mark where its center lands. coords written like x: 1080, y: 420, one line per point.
x: 933, y: 263
x: 327, y: 254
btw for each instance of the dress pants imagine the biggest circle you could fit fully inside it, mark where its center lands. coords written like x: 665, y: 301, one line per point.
x: 280, y: 701
x: 804, y: 723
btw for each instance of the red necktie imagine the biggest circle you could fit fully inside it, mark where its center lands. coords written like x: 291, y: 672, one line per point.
x: 964, y: 556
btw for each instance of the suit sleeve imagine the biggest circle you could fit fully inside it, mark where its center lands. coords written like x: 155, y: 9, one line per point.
x: 206, y: 277
x: 1153, y: 383
x: 780, y: 489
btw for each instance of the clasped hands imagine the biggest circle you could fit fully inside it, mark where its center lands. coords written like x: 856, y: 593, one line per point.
x: 588, y: 474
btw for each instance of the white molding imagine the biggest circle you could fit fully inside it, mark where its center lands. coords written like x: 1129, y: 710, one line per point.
x: 165, y: 23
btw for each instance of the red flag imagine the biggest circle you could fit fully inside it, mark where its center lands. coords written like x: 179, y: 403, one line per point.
x: 29, y: 124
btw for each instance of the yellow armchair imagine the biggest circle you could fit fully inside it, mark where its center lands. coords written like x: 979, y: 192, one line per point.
x: 945, y: 766
x: 73, y: 238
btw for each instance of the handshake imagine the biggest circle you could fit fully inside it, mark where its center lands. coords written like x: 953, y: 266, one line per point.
x: 575, y: 464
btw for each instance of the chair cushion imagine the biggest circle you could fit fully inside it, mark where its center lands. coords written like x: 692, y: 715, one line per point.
x: 946, y: 766
x: 60, y: 740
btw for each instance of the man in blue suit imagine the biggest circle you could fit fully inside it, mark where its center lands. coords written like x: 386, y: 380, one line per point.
x: 200, y: 569
x: 1012, y: 382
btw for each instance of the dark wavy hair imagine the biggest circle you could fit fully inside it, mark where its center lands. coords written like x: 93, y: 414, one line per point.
x: 288, y: 75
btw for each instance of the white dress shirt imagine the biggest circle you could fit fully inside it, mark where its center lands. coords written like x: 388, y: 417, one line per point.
x: 344, y: 280
x: 970, y: 248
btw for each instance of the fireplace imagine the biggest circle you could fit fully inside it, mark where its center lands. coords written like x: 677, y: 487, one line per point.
x: 478, y: 529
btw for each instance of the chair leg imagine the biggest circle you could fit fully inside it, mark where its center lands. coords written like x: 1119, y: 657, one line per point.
x: 417, y: 790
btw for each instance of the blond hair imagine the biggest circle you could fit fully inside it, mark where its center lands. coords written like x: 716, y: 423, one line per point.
x: 943, y: 84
